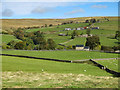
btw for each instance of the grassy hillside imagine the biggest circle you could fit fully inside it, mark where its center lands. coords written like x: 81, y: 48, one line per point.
x: 7, y: 38
x: 63, y: 55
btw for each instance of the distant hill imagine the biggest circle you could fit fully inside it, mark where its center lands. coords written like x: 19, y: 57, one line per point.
x: 12, y: 24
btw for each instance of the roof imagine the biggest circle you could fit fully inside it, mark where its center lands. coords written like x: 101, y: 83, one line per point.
x: 79, y: 45
x: 86, y: 47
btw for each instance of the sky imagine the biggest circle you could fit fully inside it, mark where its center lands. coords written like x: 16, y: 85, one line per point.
x: 41, y: 10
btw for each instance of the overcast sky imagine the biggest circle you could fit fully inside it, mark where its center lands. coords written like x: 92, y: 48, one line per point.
x: 57, y: 9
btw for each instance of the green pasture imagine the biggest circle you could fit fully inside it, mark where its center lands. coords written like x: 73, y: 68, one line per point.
x: 58, y: 28
x: 34, y: 65
x: 111, y: 64
x: 110, y: 25
x: 63, y: 55
x: 56, y: 38
x: 77, y: 41
x: 106, y: 41
x: 7, y: 38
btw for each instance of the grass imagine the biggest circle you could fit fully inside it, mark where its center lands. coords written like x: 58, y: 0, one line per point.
x: 14, y: 64
x: 7, y: 38
x: 111, y: 64
x: 27, y: 73
x: 77, y: 41
x: 22, y: 79
x: 63, y: 55
x: 111, y: 25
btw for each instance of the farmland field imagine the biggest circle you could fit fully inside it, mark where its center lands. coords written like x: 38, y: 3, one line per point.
x: 7, y: 38
x: 63, y: 55
x: 111, y: 64
x: 22, y: 72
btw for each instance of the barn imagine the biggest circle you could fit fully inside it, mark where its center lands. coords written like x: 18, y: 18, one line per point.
x: 79, y: 47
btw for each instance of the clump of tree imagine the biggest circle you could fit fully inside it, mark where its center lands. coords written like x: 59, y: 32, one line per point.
x: 51, y: 44
x: 50, y: 25
x: 19, y: 34
x: 30, y: 41
x: 93, y: 42
x: 74, y: 34
x: 87, y: 21
x: 69, y: 22
x: 88, y: 32
x: 92, y: 20
x: 117, y: 35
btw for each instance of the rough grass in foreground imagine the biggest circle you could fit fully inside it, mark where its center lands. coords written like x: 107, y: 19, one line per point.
x: 54, y: 80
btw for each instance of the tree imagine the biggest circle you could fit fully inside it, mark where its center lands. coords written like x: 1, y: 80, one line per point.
x: 88, y: 32
x: 72, y: 37
x: 39, y: 34
x: 86, y: 21
x: 92, y: 42
x: 75, y: 33
x: 51, y: 44
x: 50, y: 25
x: 19, y: 34
x: 117, y: 35
x: 45, y: 25
x: 20, y: 45
x: 30, y: 47
x: 93, y: 20
x: 12, y: 43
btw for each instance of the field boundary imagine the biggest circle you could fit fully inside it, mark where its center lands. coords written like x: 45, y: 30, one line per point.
x: 116, y: 74
x: 37, y: 58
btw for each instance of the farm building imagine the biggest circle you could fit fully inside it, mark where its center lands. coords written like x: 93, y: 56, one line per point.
x: 85, y: 35
x: 95, y: 27
x: 82, y: 47
x: 61, y: 34
x: 68, y: 29
x: 79, y: 47
x: 86, y: 48
x: 74, y: 29
x: 78, y: 28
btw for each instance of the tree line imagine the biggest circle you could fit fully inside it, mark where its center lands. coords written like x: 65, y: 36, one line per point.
x: 31, y: 41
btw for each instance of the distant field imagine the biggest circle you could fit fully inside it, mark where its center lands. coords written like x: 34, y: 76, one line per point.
x: 63, y: 55
x: 111, y: 25
x: 8, y: 38
x: 111, y: 64
x: 77, y: 41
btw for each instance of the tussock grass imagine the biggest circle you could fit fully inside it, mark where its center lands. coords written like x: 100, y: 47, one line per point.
x: 54, y: 80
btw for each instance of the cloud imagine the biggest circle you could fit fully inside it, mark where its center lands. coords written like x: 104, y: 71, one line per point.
x: 7, y: 13
x: 75, y: 11
x: 99, y: 6
x: 25, y: 8
x: 40, y: 10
